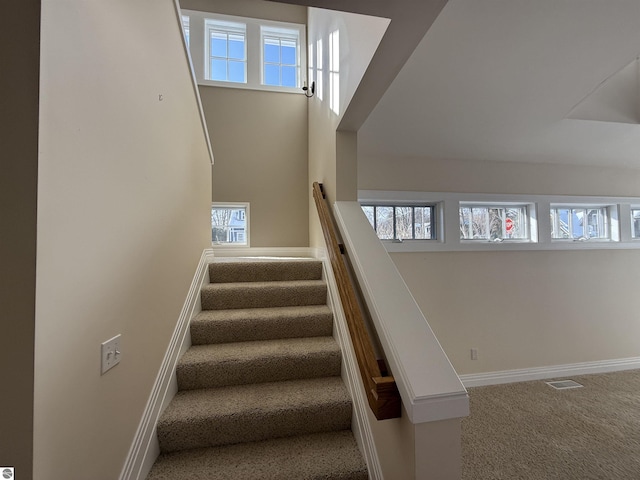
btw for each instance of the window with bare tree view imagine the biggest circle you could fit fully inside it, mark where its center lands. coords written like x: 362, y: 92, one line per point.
x: 493, y: 223
x: 401, y: 222
x: 229, y: 225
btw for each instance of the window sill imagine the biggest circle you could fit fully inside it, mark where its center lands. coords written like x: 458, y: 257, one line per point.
x: 247, y: 86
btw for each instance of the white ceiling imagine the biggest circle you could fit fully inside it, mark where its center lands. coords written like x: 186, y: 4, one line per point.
x: 499, y: 79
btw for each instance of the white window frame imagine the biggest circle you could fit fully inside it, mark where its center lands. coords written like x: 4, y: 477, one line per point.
x: 612, y: 231
x: 448, y: 230
x: 281, y: 34
x: 227, y: 28
x: 434, y: 220
x: 631, y: 210
x: 247, y: 217
x: 529, y: 225
x: 198, y: 49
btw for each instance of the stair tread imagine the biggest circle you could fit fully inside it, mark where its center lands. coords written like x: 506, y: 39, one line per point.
x: 258, y: 285
x: 249, y: 413
x: 273, y: 396
x: 327, y: 456
x: 249, y: 351
x: 263, y: 294
x: 247, y: 324
x: 244, y: 324
x: 204, y: 366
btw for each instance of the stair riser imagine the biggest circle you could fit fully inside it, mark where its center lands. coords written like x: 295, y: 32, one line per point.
x: 224, y: 272
x: 246, y: 330
x: 212, y: 432
x: 233, y: 296
x: 209, y: 375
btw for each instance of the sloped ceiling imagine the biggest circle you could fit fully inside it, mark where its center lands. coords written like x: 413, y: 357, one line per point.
x: 511, y: 80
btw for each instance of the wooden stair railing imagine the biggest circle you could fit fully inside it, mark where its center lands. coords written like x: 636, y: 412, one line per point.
x: 382, y: 392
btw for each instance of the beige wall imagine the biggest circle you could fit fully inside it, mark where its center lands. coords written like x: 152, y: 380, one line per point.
x: 520, y: 309
x: 333, y: 161
x: 18, y: 200
x: 438, y: 175
x: 123, y: 217
x: 260, y: 145
x: 259, y: 140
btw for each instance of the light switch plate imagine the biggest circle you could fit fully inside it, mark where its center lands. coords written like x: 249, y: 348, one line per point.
x: 111, y: 353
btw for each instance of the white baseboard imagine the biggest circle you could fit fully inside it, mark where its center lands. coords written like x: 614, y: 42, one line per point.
x: 145, y: 449
x: 544, y: 373
x: 351, y: 375
x: 229, y: 251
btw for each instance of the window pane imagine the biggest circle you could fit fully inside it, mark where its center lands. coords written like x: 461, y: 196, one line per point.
x: 228, y: 225
x: 562, y: 222
x: 480, y: 223
x: 465, y: 223
x: 404, y: 222
x: 422, y: 222
x: 288, y: 76
x: 236, y: 71
x: 384, y: 221
x: 596, y: 223
x: 494, y: 223
x: 218, y: 70
x: 579, y: 223
x: 272, y: 75
x: 271, y: 51
x: 289, y: 53
x: 218, y: 45
x: 515, y: 223
x: 635, y: 217
x: 236, y: 47
x: 369, y: 212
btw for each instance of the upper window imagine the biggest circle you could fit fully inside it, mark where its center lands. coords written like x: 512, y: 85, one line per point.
x: 494, y: 223
x: 402, y: 222
x: 226, y: 50
x: 246, y: 52
x: 280, y: 56
x: 580, y: 223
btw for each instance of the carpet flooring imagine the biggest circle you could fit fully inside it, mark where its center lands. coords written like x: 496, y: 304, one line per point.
x: 531, y: 431
x: 259, y: 391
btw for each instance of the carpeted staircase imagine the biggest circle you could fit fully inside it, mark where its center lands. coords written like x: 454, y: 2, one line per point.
x: 260, y: 394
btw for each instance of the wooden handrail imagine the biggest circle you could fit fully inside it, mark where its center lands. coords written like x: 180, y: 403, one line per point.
x: 382, y: 392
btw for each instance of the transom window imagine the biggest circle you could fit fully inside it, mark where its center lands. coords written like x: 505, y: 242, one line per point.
x: 280, y: 50
x: 494, y: 222
x: 402, y: 222
x: 580, y: 223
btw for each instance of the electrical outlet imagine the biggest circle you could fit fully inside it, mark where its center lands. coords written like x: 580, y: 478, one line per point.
x: 111, y: 353
x: 474, y: 354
